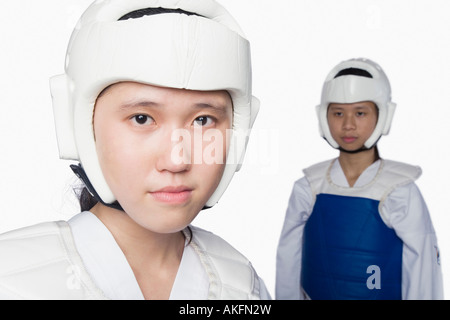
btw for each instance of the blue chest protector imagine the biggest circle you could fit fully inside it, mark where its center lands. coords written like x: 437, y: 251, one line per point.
x: 345, y: 244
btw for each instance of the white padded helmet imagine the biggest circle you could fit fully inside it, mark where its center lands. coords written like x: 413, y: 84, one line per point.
x: 204, y: 51
x: 344, y: 86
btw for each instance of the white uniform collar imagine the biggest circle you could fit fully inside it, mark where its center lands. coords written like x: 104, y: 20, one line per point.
x: 109, y: 269
x: 338, y: 177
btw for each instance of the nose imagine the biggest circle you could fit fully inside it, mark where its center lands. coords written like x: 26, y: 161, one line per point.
x: 349, y: 122
x: 174, y: 152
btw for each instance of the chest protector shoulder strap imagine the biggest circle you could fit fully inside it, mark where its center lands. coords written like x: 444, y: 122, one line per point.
x: 348, y: 250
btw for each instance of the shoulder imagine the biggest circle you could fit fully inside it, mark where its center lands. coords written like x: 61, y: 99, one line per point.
x: 318, y: 169
x: 25, y: 255
x: 232, y: 276
x: 316, y: 174
x: 220, y: 249
x: 393, y: 175
x: 41, y: 262
x: 401, y: 169
x: 215, y: 244
x: 29, y: 246
x: 31, y: 231
x: 405, y: 206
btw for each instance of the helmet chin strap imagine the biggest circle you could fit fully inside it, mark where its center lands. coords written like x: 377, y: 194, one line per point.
x: 363, y: 148
x: 79, y: 171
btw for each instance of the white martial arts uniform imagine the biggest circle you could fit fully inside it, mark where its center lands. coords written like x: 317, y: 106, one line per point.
x: 80, y: 259
x: 403, y: 210
x: 109, y: 269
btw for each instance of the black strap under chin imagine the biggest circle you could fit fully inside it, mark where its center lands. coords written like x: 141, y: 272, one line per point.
x: 79, y: 171
x: 354, y: 151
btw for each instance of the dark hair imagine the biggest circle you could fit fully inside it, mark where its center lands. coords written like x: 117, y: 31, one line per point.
x: 86, y: 199
x: 153, y: 11
x: 353, y: 72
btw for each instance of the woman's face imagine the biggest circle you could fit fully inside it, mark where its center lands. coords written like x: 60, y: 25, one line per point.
x: 162, y: 151
x: 352, y: 124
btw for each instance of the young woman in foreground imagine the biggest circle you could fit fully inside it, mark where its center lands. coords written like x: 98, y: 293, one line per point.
x: 151, y: 105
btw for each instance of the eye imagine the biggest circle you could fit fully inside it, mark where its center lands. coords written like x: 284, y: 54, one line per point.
x: 203, y: 121
x: 142, y: 119
x: 360, y: 114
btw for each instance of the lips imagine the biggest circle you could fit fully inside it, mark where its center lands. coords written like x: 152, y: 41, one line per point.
x: 348, y: 139
x: 172, y: 194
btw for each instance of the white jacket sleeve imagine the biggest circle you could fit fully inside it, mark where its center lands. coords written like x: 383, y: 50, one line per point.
x: 289, y: 253
x: 421, y: 271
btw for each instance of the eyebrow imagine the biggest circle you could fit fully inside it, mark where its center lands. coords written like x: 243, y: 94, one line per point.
x: 219, y: 107
x: 141, y: 103
x: 342, y: 108
x: 362, y: 108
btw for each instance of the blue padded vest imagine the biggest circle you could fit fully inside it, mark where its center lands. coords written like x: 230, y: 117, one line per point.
x: 344, y: 240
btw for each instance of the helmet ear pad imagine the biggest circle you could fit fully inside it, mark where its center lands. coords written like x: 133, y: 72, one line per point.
x: 391, y: 107
x: 63, y: 116
x: 237, y: 148
x: 385, y: 116
x: 324, y: 128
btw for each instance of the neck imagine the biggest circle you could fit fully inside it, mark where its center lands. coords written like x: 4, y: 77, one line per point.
x: 354, y: 164
x: 153, y: 257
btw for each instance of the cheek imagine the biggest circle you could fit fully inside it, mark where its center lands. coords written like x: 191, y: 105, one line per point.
x: 334, y: 125
x: 374, y: 122
x: 371, y: 125
x: 121, y: 160
x: 214, y: 156
x: 214, y: 146
x: 208, y: 177
x: 106, y: 142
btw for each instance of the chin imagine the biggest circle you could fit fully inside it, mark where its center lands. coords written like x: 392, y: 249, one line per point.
x: 165, y: 220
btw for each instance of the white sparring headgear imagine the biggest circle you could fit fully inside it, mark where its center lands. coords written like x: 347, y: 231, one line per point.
x: 351, y: 88
x: 206, y: 51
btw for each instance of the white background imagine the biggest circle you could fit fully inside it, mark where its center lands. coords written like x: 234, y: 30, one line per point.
x: 295, y: 43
